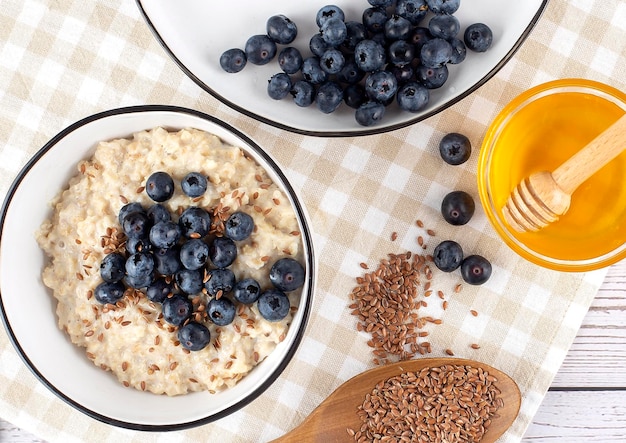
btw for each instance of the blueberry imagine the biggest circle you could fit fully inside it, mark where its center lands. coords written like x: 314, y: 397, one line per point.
x: 478, y: 37
x: 194, y: 184
x: 355, y: 33
x: 381, y: 3
x: 448, y: 255
x: 158, y: 213
x: 112, y: 267
x: 260, y: 49
x: 194, y: 336
x: 238, y: 226
x: 332, y: 61
x: 221, y: 279
x: 136, y: 225
x: 475, y: 269
x: 167, y: 260
x: 350, y: 73
x: 381, y: 86
x: 134, y: 245
x: 329, y: 96
x: 281, y: 29
x: 165, y: 234
x: 176, y: 309
x: 109, y: 292
x: 194, y: 253
x: 403, y: 74
x: 443, y: 6
x: 290, y: 60
x: 318, y: 45
x: 273, y: 305
x: 334, y: 31
x: 455, y: 148
x: 401, y: 53
x: 369, y: 56
x: 328, y: 12
x: 247, y: 291
x: 436, y: 52
x: 194, y: 222
x: 432, y: 78
x: 233, y: 60
x: 160, y: 186
x: 419, y: 36
x: 444, y: 26
x: 222, y: 252
x: 412, y: 10
x: 287, y: 274
x: 139, y: 281
x: 159, y: 289
x: 412, y: 97
x: 457, y: 207
x: 459, y: 51
x: 140, y: 264
x: 127, y: 209
x: 397, y: 28
x: 303, y: 93
x: 279, y: 86
x: 354, y: 95
x: 312, y: 71
x: 374, y: 19
x: 221, y: 311
x: 189, y: 281
x: 369, y: 113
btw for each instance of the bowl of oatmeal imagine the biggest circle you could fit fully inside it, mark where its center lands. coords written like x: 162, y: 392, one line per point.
x: 88, y: 212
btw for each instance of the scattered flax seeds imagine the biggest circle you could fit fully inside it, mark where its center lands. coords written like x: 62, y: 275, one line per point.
x: 450, y: 403
x: 386, y: 302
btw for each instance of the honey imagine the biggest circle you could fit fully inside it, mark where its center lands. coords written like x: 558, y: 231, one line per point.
x: 538, y: 131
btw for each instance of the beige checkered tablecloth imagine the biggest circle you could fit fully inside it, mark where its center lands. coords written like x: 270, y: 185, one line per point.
x: 61, y: 60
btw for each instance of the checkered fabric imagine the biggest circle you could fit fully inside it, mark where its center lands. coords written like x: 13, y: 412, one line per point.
x: 63, y: 60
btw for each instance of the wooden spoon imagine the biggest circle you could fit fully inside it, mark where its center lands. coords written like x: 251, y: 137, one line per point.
x: 330, y: 421
x: 543, y: 197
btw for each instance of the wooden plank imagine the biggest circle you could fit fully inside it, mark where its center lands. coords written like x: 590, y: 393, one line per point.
x: 579, y: 417
x: 597, y: 357
x: 10, y: 433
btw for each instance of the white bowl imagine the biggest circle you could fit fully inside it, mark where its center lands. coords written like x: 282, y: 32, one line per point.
x: 195, y: 33
x: 28, y: 308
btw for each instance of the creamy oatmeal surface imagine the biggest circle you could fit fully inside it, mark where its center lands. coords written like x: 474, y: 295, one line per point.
x: 131, y: 339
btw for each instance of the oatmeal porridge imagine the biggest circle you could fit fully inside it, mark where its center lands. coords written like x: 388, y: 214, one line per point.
x: 130, y: 337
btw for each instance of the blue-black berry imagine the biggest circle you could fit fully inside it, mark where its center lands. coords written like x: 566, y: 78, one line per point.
x: 475, y: 269
x: 455, y: 148
x: 448, y: 255
x: 457, y: 207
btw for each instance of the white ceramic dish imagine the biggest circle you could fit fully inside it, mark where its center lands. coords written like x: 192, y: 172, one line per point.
x: 28, y: 309
x: 195, y: 33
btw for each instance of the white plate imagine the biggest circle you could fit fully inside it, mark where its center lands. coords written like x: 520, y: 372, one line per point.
x: 28, y: 309
x: 196, y: 32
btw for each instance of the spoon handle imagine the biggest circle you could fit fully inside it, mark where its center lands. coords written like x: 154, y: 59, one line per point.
x: 586, y: 162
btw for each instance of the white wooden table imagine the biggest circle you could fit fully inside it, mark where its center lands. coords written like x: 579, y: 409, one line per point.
x: 587, y: 400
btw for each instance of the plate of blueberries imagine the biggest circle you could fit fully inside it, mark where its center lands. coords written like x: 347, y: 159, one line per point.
x: 353, y: 67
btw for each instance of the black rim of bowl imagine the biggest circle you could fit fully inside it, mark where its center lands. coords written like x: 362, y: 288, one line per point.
x: 308, y: 286
x: 351, y: 133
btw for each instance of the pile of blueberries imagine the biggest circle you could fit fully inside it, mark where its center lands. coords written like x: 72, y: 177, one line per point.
x: 457, y: 208
x: 171, y: 261
x: 390, y: 55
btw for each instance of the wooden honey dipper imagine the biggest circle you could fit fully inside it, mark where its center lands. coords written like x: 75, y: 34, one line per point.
x: 544, y: 196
